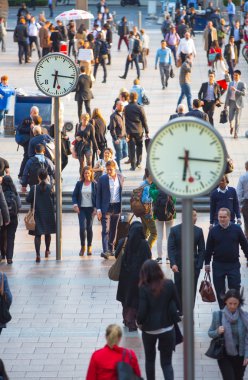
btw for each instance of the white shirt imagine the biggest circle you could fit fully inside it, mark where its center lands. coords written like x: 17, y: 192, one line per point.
x: 114, y: 187
x: 222, y: 191
x: 232, y: 52
x: 145, y: 41
x: 235, y: 84
x: 220, y: 70
x: 86, y: 196
x: 186, y: 47
x: 33, y: 29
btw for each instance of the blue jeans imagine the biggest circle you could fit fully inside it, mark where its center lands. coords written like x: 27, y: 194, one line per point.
x: 121, y: 151
x: 2, y: 114
x: 85, y: 218
x: 185, y: 91
x: 110, y: 221
x: 231, y: 16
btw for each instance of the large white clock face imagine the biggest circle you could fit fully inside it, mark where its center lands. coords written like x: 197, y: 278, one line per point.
x: 56, y: 75
x: 187, y: 158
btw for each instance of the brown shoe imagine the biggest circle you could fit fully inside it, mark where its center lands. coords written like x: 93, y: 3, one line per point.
x: 127, y: 162
x: 231, y: 130
x: 47, y: 253
x: 89, y: 250
x: 37, y: 259
x: 82, y: 251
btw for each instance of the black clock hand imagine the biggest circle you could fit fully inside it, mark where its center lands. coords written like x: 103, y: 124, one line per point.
x: 62, y: 76
x: 55, y: 78
x: 186, y: 163
x: 199, y: 159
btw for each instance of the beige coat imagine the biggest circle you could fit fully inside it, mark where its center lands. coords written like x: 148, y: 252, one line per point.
x: 205, y: 36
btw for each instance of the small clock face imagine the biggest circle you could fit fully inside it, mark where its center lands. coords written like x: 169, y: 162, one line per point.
x: 187, y: 158
x: 56, y: 75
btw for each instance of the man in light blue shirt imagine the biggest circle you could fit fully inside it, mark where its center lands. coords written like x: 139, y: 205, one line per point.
x: 165, y: 60
x: 139, y: 89
x: 231, y: 10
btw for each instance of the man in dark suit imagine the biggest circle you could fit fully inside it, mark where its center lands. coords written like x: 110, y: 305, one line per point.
x: 196, y: 112
x: 108, y: 205
x: 83, y: 92
x: 180, y: 112
x: 210, y: 94
x: 175, y: 253
x: 231, y: 55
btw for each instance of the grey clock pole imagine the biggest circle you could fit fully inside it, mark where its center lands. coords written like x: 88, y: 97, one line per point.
x: 188, y: 289
x: 58, y: 187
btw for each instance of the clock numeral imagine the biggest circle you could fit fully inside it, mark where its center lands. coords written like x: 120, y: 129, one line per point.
x: 197, y: 176
x: 46, y: 81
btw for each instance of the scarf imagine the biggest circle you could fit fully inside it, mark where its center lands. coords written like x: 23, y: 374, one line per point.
x: 240, y: 317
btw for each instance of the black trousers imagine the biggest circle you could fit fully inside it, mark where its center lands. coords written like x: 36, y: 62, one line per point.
x: 209, y: 107
x: 166, y: 344
x: 238, y: 44
x: 135, y: 59
x: 220, y: 272
x: 80, y: 107
x: 8, y: 239
x: 103, y: 64
x: 231, y: 367
x: 109, y: 222
x: 25, y: 159
x: 135, y: 145
x: 34, y: 40
x: 178, y: 284
x: 23, y: 50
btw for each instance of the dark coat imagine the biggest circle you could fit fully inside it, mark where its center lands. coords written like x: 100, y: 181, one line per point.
x: 21, y: 33
x: 198, y: 114
x: 176, y: 115
x: 48, y: 165
x: 204, y: 89
x: 175, y: 247
x: 135, y: 119
x: 44, y: 210
x: 77, y: 194
x: 6, y: 291
x: 38, y: 139
x: 4, y: 211
x: 157, y: 312
x: 83, y: 88
x: 117, y: 125
x: 137, y: 251
x: 227, y: 53
x: 103, y: 192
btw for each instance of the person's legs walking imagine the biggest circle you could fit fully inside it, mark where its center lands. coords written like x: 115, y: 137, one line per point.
x: 87, y: 106
x: 139, y: 148
x: 80, y: 109
x: 114, y: 220
x: 168, y: 225
x: 187, y: 91
x: 118, y: 153
x: 219, y: 275
x: 178, y: 284
x: 37, y: 242
x: 149, y: 342
x: 237, y: 120
x: 82, y: 226
x: 105, y: 230
x: 11, y: 231
x: 226, y: 368
x: 47, y: 244
x: 234, y: 276
x: 89, y: 224
x: 103, y: 64
x: 166, y: 345
x: 232, y: 110
x: 136, y: 61
x: 182, y: 95
x: 25, y: 158
x: 162, y: 74
x: 160, y: 232
x: 131, y: 145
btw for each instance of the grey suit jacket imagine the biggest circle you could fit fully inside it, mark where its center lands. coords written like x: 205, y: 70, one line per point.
x: 239, y: 93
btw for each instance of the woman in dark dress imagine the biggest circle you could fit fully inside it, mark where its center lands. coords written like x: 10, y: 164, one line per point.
x: 99, y: 124
x: 136, y: 252
x: 8, y: 231
x: 85, y: 141
x: 44, y: 213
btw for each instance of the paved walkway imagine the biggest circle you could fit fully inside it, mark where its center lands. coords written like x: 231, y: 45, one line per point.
x: 61, y: 309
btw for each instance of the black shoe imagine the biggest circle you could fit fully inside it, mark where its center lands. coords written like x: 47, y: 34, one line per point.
x: 166, y: 83
x: 163, y: 88
x: 159, y: 260
x: 9, y: 261
x: 105, y: 255
x: 123, y: 77
x: 132, y: 329
x: 108, y: 63
x: 104, y: 81
x: 132, y: 169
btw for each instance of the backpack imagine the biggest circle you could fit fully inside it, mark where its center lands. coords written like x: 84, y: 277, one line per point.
x: 104, y: 48
x: 21, y: 138
x: 137, y: 207
x: 163, y: 207
x: 11, y: 200
x: 33, y: 171
x: 137, y: 48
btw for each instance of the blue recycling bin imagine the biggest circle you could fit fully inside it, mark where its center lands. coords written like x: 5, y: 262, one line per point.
x: 200, y: 21
x: 24, y: 103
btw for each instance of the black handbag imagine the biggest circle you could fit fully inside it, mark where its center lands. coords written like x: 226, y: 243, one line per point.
x: 172, y: 74
x: 224, y: 116
x: 124, y: 369
x: 145, y: 100
x: 5, y: 316
x: 216, y: 349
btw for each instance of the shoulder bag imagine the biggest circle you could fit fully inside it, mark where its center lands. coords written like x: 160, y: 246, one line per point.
x: 115, y: 269
x: 125, y: 370
x: 216, y: 349
x: 206, y: 289
x: 5, y: 316
x: 29, y: 218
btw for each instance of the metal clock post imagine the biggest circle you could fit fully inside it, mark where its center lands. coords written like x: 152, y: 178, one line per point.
x: 56, y: 75
x: 187, y: 158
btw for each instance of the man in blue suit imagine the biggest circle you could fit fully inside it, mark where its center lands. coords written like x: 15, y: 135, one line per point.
x: 108, y: 204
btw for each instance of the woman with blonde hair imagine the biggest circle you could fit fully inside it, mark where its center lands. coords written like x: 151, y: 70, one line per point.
x: 103, y: 362
x: 99, y: 124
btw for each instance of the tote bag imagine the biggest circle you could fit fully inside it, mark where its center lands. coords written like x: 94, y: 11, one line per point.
x: 114, y: 271
x: 29, y: 218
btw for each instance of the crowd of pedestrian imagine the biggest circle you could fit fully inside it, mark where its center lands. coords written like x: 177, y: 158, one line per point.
x: 149, y: 301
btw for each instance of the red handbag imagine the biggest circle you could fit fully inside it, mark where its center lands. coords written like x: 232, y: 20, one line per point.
x: 206, y: 289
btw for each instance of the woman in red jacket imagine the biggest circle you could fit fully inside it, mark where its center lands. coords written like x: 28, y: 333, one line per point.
x: 103, y: 363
